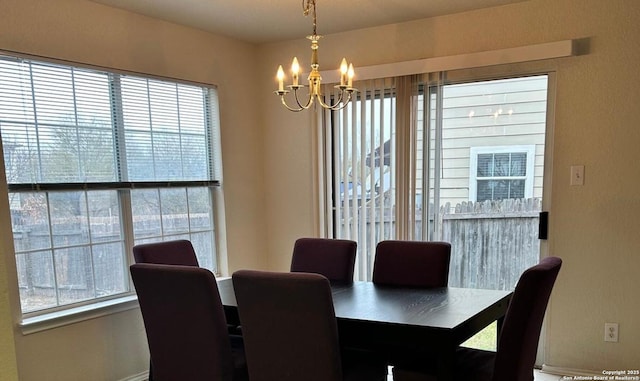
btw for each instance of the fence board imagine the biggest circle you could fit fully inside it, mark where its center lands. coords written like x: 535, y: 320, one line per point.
x: 492, y: 242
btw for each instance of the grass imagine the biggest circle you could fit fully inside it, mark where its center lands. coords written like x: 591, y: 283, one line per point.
x: 485, y: 339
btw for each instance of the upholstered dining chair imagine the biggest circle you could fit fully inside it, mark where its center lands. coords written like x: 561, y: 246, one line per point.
x: 185, y: 324
x: 518, y: 341
x: 415, y: 264
x: 412, y: 263
x: 290, y: 330
x: 178, y: 252
x: 333, y: 258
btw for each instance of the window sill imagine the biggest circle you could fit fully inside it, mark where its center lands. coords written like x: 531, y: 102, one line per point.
x: 77, y: 314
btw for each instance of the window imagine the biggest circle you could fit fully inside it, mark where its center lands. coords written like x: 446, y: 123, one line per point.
x: 97, y: 162
x: 498, y: 173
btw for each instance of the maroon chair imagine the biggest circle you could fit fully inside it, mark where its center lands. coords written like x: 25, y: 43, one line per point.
x: 333, y: 258
x: 415, y: 264
x: 185, y: 324
x: 178, y: 252
x: 518, y: 342
x: 423, y: 264
x: 290, y: 330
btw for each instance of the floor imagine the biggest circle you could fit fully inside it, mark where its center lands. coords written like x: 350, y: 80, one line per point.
x: 537, y: 376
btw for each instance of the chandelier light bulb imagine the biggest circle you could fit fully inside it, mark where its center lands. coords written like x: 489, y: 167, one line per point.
x: 295, y: 71
x: 350, y: 73
x: 280, y: 76
x: 343, y: 72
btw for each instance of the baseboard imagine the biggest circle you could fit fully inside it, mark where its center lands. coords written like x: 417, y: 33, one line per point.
x: 560, y: 371
x: 144, y: 376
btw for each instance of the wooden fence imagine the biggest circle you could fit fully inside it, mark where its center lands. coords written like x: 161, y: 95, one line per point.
x: 77, y: 270
x: 492, y: 242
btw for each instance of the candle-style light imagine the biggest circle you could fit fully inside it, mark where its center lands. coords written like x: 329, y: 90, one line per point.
x: 280, y: 76
x: 346, y: 75
x: 344, y: 69
x: 295, y: 71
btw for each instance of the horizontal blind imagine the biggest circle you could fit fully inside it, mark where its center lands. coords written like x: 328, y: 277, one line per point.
x: 62, y: 124
x: 164, y: 123
x: 56, y: 123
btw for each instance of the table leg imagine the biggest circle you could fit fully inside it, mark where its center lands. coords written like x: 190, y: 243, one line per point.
x: 499, y: 324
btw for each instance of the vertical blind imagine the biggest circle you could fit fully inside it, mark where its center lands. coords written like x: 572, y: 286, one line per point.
x: 363, y: 160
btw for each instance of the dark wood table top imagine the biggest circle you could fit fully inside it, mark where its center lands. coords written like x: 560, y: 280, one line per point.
x: 443, y: 308
x: 433, y: 321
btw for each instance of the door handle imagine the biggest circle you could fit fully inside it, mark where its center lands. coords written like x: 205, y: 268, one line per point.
x: 543, y: 225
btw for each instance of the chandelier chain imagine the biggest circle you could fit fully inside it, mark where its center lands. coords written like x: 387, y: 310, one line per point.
x: 308, y: 6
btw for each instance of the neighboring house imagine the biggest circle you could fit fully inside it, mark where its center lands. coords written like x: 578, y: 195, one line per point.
x: 493, y: 136
x: 493, y: 143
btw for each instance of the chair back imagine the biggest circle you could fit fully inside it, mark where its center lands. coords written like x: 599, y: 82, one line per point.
x: 289, y: 326
x: 333, y: 258
x: 184, y: 322
x: 178, y: 252
x: 518, y: 342
x: 412, y: 263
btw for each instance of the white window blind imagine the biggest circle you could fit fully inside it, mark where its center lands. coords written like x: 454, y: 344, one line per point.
x: 97, y: 161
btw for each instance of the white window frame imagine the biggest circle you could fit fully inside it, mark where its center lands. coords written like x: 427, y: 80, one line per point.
x: 62, y: 314
x: 529, y: 150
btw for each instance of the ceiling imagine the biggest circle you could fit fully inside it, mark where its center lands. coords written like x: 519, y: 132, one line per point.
x: 262, y: 21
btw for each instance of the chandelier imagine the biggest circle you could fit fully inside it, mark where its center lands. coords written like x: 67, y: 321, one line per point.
x: 346, y: 75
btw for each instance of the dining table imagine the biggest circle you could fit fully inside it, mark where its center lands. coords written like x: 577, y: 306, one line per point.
x: 429, y: 322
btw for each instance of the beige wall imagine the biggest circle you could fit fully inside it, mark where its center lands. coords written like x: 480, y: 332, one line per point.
x: 593, y: 227
x: 114, y: 347
x: 268, y: 159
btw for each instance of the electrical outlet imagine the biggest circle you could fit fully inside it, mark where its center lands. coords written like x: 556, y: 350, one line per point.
x: 611, y: 332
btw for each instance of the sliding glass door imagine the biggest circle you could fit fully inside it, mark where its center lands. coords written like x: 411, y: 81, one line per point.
x: 480, y: 177
x: 458, y: 162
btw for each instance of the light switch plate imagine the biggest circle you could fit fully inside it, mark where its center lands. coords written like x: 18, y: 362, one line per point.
x: 577, y: 175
